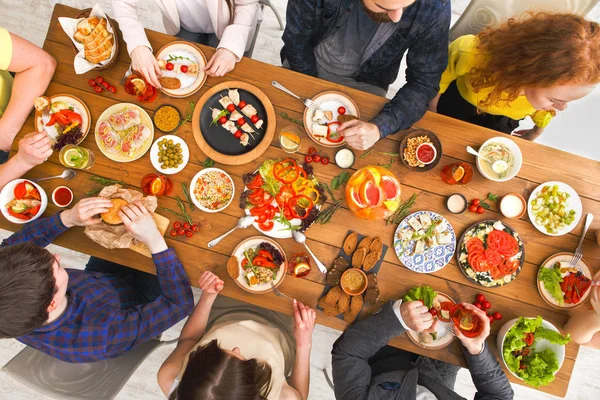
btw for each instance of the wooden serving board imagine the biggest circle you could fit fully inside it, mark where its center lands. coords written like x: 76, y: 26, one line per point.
x: 163, y: 225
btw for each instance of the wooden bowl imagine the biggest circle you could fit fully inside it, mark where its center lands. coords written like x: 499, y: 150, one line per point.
x: 348, y: 272
x: 86, y: 13
x: 435, y: 141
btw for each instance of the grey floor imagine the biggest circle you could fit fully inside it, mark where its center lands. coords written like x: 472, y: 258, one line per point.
x: 30, y: 18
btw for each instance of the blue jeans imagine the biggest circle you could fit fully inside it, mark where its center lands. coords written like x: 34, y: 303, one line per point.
x: 208, y: 39
x: 3, y: 156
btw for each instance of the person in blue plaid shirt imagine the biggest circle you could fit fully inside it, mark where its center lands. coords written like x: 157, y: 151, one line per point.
x: 95, y: 314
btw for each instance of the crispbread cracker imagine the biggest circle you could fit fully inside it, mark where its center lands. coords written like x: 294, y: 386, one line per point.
x: 233, y: 268
x: 350, y: 243
x: 376, y: 245
x: 359, y: 257
x: 371, y: 259
x: 365, y: 243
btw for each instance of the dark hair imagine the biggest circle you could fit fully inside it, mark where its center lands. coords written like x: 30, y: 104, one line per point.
x: 27, y: 286
x: 213, y: 374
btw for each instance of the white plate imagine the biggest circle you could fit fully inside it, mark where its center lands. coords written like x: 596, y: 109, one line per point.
x: 193, y: 185
x: 444, y: 337
x: 7, y: 194
x: 189, y: 84
x: 549, y: 263
x: 512, y: 146
x: 78, y: 106
x: 329, y: 101
x: 261, y: 288
x: 154, y: 155
x: 573, y: 203
x: 434, y: 258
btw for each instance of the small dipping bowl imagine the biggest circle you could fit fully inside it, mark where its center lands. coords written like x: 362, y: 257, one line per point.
x: 353, y: 274
x: 60, y: 194
x: 344, y: 158
x: 166, y: 108
x: 513, y: 206
x: 432, y: 147
x: 456, y: 203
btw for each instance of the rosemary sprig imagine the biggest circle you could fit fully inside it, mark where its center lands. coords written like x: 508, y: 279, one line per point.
x: 383, y: 153
x: 402, y: 211
x: 363, y: 155
x: 186, y: 193
x: 100, y: 180
x: 291, y: 119
x: 388, y: 165
x: 190, y: 113
x: 175, y: 58
x: 326, y: 214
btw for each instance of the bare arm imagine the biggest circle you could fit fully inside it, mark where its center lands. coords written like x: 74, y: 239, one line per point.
x: 304, y: 324
x: 34, y: 148
x: 34, y: 69
x: 530, y: 134
x: 585, y: 326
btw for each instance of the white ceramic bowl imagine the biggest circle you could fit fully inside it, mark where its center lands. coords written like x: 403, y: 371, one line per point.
x: 54, y: 198
x: 512, y: 146
x: 559, y: 350
x: 185, y: 151
x: 193, y: 185
x: 430, y: 145
x: 574, y: 203
x: 7, y: 194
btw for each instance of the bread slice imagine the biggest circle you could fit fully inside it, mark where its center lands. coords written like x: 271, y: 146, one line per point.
x: 99, y: 29
x: 87, y: 25
x: 350, y: 243
x: 371, y: 259
x: 41, y: 102
x: 233, y: 268
x: 359, y: 257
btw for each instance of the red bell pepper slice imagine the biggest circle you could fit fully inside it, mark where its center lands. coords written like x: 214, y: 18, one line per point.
x: 17, y: 215
x: 256, y: 211
x: 34, y: 210
x: 262, y: 217
x: 334, y: 137
x: 20, y: 190
x: 52, y: 120
x: 300, y: 202
x: 285, y: 194
x: 266, y: 226
x: 265, y: 254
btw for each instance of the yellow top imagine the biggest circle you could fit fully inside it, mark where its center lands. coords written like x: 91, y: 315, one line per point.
x: 463, y: 56
x: 6, y: 79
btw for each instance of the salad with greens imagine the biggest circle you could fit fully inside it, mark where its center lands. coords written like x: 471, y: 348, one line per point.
x: 536, y: 368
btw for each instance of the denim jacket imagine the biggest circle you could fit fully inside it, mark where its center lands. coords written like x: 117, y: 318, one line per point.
x: 422, y: 30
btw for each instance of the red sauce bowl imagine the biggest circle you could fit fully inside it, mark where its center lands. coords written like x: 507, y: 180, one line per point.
x: 62, y: 196
x: 426, y: 153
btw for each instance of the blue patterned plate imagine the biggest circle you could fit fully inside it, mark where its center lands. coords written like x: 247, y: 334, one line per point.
x: 432, y: 259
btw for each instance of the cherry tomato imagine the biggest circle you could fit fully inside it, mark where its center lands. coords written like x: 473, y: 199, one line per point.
x: 491, y: 317
x: 433, y: 311
x: 480, y: 210
x: 105, y: 85
x: 478, y: 305
x: 473, y: 208
x: 180, y: 232
x: 480, y: 298
x: 231, y: 108
x: 312, y: 150
x: 241, y: 121
x: 99, y: 79
x: 317, y: 158
x: 194, y: 228
x: 242, y: 104
x: 112, y: 89
x: 497, y: 316
x: 486, y: 305
x: 169, y: 66
x: 325, y: 160
x: 308, y: 158
x: 189, y: 234
x: 223, y: 120
x: 254, y: 119
x: 92, y: 83
x: 98, y: 89
x: 522, y: 366
x: 184, y: 69
x: 174, y: 232
x: 342, y: 110
x: 187, y: 225
x: 475, y: 202
x: 177, y: 225
x: 238, y: 134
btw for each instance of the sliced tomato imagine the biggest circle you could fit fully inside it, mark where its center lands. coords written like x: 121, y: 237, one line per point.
x: 265, y: 254
x: 74, y: 117
x: 285, y: 194
x: 495, y: 272
x: 256, y: 211
x: 34, y: 210
x: 529, y: 338
x: 266, y: 226
x: 262, y: 217
x: 52, y: 120
x: 478, y: 262
x: 493, y: 257
x: 503, y: 242
x: 20, y: 190
x: 259, y: 260
x: 269, y: 264
x: 256, y: 183
x: 244, y: 263
x: 62, y: 118
x: 473, y: 244
x: 256, y: 194
x: 508, y: 267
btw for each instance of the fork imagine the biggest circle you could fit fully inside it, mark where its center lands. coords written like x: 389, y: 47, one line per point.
x: 307, y: 102
x: 578, y: 253
x: 127, y: 73
x: 278, y: 293
x: 448, y: 329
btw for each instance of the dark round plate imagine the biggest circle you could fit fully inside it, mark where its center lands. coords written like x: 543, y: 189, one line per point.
x: 464, y: 265
x: 435, y: 141
x: 221, y: 139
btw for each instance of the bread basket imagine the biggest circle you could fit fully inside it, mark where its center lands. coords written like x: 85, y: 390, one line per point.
x: 86, y: 13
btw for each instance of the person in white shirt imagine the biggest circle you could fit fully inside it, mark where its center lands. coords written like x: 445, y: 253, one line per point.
x: 228, y: 25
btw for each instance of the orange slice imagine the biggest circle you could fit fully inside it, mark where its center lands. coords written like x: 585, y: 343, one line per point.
x: 301, y: 269
x: 291, y: 136
x: 140, y: 85
x: 156, y: 186
x: 466, y: 323
x: 458, y: 174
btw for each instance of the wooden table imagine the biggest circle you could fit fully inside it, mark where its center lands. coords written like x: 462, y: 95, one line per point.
x: 541, y: 164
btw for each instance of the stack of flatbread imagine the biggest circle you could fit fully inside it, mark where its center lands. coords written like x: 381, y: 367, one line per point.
x: 97, y: 41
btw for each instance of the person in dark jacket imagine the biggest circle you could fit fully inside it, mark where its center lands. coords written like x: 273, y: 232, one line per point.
x: 360, y: 43
x: 365, y: 368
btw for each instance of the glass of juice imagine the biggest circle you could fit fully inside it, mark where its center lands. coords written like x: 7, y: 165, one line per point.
x: 290, y: 139
x: 76, y: 157
x: 136, y: 85
x: 299, y: 265
x: 458, y: 173
x: 466, y: 321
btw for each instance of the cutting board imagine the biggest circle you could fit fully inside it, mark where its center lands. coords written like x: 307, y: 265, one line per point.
x: 163, y: 225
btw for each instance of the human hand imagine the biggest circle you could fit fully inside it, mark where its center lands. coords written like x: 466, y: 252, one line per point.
x: 144, y: 62
x: 359, y: 135
x: 85, y: 211
x: 34, y: 149
x: 416, y: 316
x: 210, y: 284
x: 222, y: 62
x: 433, y: 104
x: 475, y: 345
x: 140, y: 224
x: 304, y: 324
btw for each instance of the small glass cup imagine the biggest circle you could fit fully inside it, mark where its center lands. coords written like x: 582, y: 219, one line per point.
x: 458, y: 173
x: 466, y: 321
x: 290, y: 139
x: 299, y: 265
x: 76, y: 157
x: 136, y: 85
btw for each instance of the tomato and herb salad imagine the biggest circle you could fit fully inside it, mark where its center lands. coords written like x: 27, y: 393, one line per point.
x: 261, y: 264
x: 491, y: 253
x: 26, y: 203
x: 282, y: 192
x: 567, y: 285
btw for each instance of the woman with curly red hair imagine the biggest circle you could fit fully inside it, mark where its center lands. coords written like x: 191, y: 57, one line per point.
x: 529, y: 67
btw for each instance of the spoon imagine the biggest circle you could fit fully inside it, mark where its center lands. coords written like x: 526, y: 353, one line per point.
x: 243, y: 223
x: 67, y: 174
x: 300, y: 237
x: 498, y: 166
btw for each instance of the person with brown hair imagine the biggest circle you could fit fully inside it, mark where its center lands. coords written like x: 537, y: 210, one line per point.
x: 99, y: 313
x: 229, y: 350
x: 532, y: 66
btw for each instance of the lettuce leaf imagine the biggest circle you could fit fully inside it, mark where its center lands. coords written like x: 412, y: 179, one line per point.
x: 423, y: 293
x: 552, y: 278
x: 551, y: 336
x: 541, y: 368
